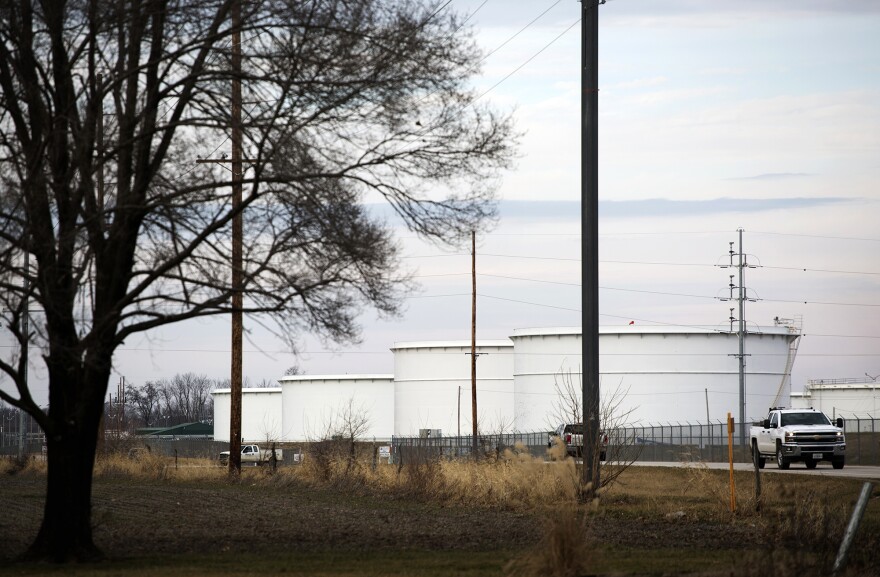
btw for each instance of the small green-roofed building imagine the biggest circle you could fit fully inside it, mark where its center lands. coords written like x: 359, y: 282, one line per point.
x: 185, y: 430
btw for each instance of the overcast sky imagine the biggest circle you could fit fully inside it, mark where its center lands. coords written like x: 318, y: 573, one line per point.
x: 760, y: 115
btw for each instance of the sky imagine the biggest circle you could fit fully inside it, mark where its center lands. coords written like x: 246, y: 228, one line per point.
x: 755, y: 115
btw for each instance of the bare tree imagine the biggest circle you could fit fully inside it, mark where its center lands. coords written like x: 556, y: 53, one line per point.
x: 105, y: 108
x: 614, y: 417
x: 265, y: 384
x: 567, y: 406
x: 293, y: 370
x: 185, y: 398
x: 333, y: 446
x: 145, y: 401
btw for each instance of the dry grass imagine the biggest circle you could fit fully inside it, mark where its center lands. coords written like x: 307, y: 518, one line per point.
x: 151, y: 466
x: 648, y: 515
x: 567, y: 549
x: 28, y: 464
x: 515, y: 479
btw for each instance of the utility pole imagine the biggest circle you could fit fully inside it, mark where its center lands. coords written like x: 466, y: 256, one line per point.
x: 590, y: 236
x: 742, y: 296
x: 237, y: 286
x: 25, y: 329
x: 742, y: 358
x: 474, y: 342
x: 99, y: 134
x: 706, y: 390
x: 237, y: 231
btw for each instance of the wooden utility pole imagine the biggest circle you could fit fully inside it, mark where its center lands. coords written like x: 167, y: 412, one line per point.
x: 237, y: 230
x: 590, y: 237
x: 458, y: 407
x: 474, y: 342
x: 99, y: 135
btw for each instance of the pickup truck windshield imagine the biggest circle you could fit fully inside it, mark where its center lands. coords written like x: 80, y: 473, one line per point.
x: 804, y: 419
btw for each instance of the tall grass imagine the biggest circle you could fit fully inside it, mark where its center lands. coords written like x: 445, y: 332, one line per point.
x: 27, y: 464
x: 512, y: 480
x: 567, y: 549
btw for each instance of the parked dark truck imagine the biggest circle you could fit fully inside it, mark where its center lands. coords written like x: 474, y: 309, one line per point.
x: 571, y: 435
x: 807, y: 435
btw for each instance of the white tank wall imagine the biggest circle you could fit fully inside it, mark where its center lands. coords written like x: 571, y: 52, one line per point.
x: 315, y: 407
x: 847, y: 401
x: 427, y: 378
x: 260, y: 415
x: 660, y: 374
x: 543, y: 358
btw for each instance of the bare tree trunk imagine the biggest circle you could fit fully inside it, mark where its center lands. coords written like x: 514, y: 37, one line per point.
x: 66, y: 532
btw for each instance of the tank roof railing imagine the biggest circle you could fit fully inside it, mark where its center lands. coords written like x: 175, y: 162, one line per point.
x: 849, y: 381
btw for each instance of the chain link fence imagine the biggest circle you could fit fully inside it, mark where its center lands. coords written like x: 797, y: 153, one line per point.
x: 656, y: 442
x: 20, y: 434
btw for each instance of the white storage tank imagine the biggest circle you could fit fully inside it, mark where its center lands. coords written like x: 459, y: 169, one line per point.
x: 260, y: 415
x: 317, y: 407
x: 850, y: 398
x: 432, y: 387
x: 660, y: 374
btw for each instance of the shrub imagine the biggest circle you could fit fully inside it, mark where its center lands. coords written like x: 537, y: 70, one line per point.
x: 566, y: 549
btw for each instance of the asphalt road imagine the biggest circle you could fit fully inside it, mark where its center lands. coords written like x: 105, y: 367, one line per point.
x: 824, y: 469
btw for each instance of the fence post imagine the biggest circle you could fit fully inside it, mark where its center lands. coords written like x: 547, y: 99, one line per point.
x: 874, y: 442
x: 700, y: 445
x: 662, y: 436
x: 690, y: 433
x: 851, y: 528
x: 859, y: 438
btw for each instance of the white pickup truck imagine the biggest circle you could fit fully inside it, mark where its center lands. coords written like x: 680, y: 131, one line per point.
x: 806, y: 435
x: 252, y: 455
x: 572, y: 435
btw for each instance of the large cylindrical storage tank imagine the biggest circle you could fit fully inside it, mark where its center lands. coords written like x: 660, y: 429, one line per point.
x: 432, y: 387
x: 316, y: 407
x: 655, y: 374
x: 853, y: 398
x: 545, y: 361
x: 260, y: 415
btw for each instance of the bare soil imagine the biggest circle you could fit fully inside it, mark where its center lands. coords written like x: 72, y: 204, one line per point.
x: 136, y: 517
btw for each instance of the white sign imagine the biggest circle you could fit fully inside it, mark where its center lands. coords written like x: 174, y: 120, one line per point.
x: 385, y: 452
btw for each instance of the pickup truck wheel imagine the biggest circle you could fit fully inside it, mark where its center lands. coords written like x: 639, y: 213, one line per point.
x: 810, y: 463
x: 838, y: 463
x: 757, y: 456
x: 781, y: 461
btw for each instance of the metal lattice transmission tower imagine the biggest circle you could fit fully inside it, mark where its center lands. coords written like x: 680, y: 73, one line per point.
x: 738, y: 292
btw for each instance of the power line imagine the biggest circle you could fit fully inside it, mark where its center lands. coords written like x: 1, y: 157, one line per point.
x: 797, y: 268
x: 518, y: 68
x: 528, y: 303
x: 520, y: 31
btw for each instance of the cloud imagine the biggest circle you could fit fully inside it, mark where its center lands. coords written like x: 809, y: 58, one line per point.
x: 659, y: 207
